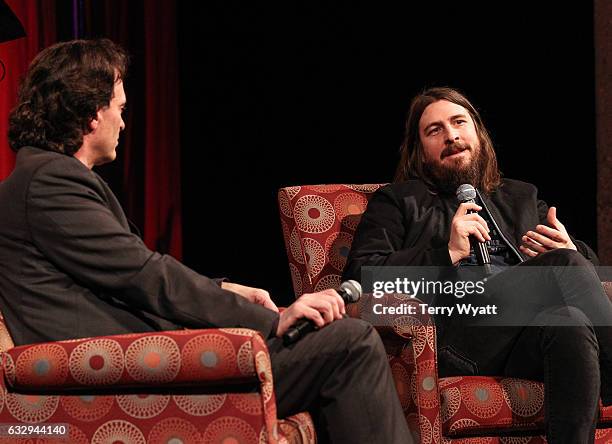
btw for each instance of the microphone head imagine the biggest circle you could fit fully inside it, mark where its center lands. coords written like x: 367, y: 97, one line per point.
x: 352, y: 290
x: 465, y: 193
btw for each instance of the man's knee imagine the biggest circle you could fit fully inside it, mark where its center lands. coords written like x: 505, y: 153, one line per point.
x: 357, y: 335
x: 569, y: 329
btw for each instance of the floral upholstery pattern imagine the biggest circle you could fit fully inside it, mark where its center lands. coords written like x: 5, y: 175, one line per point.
x: 318, y: 223
x: 187, y: 386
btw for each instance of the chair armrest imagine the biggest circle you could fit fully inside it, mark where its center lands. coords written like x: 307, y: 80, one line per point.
x: 182, y: 358
x: 410, y: 342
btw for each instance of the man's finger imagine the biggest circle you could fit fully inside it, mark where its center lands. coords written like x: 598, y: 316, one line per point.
x: 534, y: 246
x: 465, y: 207
x: 551, y: 217
x: 527, y: 251
x: 542, y: 240
x: 551, y: 233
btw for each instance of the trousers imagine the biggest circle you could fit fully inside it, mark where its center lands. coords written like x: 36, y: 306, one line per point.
x: 563, y: 337
x: 341, y: 376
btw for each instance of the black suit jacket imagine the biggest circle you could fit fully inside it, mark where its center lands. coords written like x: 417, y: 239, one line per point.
x: 71, y: 267
x: 406, y: 224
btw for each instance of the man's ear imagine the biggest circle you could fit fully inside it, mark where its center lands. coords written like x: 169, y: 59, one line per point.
x: 93, y: 123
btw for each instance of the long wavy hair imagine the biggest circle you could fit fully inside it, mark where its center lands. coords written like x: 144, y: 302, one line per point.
x: 412, y: 161
x: 66, y: 84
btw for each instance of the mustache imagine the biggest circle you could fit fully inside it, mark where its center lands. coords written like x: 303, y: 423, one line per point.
x: 454, y: 148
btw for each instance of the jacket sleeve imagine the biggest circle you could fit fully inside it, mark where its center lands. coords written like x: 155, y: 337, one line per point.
x: 380, y: 237
x: 74, y: 229
x: 582, y: 247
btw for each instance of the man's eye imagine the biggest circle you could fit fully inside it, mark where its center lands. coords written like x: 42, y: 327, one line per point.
x: 460, y: 121
x: 433, y: 131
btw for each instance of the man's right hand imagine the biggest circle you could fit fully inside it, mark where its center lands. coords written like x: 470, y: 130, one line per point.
x: 321, y: 308
x: 462, y: 226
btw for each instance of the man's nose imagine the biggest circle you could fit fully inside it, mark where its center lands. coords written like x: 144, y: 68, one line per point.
x: 452, y: 135
x: 122, y: 126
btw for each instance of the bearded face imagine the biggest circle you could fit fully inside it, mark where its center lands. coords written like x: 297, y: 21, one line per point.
x: 451, y: 147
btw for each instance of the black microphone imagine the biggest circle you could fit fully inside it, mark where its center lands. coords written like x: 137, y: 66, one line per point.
x: 349, y: 291
x: 466, y: 193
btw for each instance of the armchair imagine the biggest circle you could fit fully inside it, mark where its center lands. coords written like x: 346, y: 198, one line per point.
x: 187, y: 386
x: 318, y: 223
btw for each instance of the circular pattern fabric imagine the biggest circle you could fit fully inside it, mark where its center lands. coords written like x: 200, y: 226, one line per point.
x: 229, y: 429
x: 328, y: 281
x: 244, y: 332
x: 366, y: 187
x: 349, y: 208
x: 9, y: 368
x: 451, y: 401
x: 403, y: 326
x: 445, y: 382
x: 208, y: 355
x: 265, y: 374
x: 246, y: 365
x: 284, y: 204
x: 315, y: 256
x: 199, y: 405
x: 153, y: 359
x: 43, y: 364
x: 143, y: 406
x: 482, y: 399
x: 118, y: 431
x: 424, y: 383
x: 462, y: 424
x: 337, y: 248
x: 174, y: 431
x: 97, y: 362
x: 295, y: 246
x: 401, y: 378
x: 325, y: 189
x: 87, y: 408
x: 249, y: 403
x: 525, y: 398
x: 313, y: 214
x: 516, y: 439
x: 292, y: 191
x: 31, y: 408
x: 296, y: 279
x: 76, y: 436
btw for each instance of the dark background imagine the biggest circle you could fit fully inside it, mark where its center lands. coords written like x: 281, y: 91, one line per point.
x: 318, y: 94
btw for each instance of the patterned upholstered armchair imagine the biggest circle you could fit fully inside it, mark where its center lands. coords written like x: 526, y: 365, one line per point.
x: 318, y: 223
x: 188, y: 386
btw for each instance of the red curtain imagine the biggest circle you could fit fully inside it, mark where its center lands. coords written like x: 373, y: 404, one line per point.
x: 162, y: 215
x: 38, y: 20
x: 149, y: 180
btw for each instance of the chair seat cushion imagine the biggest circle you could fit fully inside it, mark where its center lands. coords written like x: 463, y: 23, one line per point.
x: 473, y: 405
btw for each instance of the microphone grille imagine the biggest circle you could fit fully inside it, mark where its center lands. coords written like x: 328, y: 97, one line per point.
x: 352, y: 289
x: 466, y: 192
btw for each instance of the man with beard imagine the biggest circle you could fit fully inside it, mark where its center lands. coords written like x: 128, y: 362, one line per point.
x: 555, y: 323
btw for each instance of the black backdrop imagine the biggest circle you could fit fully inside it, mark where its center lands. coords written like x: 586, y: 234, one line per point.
x: 290, y: 95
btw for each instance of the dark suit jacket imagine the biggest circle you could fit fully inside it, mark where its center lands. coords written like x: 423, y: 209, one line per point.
x: 406, y: 224
x: 71, y: 267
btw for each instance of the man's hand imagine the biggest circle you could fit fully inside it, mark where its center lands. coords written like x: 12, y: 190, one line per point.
x: 462, y: 226
x: 321, y: 308
x: 545, y: 238
x: 255, y: 295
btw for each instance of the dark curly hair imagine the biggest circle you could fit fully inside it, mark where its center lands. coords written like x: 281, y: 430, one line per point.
x: 66, y: 84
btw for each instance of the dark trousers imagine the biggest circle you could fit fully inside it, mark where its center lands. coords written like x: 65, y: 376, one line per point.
x: 563, y: 337
x: 341, y: 375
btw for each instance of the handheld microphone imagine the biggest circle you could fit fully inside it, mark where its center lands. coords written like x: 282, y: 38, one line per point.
x: 466, y: 193
x: 350, y: 291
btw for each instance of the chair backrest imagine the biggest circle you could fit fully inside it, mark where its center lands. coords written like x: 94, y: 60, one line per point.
x: 6, y: 342
x: 318, y: 224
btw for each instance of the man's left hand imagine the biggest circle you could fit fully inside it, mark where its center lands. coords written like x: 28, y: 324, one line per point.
x: 545, y: 238
x: 255, y: 295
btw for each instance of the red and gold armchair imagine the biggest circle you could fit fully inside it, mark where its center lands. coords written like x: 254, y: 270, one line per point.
x: 187, y: 386
x: 318, y: 223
